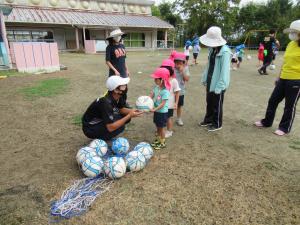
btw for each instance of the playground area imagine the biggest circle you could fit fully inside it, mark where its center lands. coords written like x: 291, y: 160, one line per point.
x: 238, y: 175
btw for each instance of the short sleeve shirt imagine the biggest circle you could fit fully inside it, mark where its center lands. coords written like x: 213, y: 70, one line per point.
x: 116, y: 55
x: 174, y: 88
x: 196, y: 49
x: 179, y: 78
x: 268, y: 43
x: 104, y: 110
x: 159, y: 96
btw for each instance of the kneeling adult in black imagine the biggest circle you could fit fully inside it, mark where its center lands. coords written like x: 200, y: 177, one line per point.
x: 106, y: 117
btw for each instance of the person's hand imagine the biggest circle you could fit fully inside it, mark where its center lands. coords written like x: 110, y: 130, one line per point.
x: 175, y: 106
x: 152, y: 110
x: 128, y: 73
x: 276, y: 81
x: 117, y: 73
x: 135, y: 113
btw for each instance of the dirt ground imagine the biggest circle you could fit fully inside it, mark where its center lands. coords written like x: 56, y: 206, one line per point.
x: 239, y: 175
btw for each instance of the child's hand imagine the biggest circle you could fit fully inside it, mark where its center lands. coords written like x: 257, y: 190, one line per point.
x: 152, y: 110
x: 175, y: 107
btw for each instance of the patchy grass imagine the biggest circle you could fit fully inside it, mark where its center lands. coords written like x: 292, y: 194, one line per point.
x: 46, y: 88
x: 76, y: 120
x: 11, y: 73
x: 295, y: 145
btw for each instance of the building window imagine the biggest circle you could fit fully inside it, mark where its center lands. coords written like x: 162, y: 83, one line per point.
x: 30, y: 35
x: 135, y: 40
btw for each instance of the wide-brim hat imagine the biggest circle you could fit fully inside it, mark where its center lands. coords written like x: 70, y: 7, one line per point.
x: 213, y: 37
x: 115, y: 33
x: 115, y: 81
x: 294, y: 27
x: 164, y: 74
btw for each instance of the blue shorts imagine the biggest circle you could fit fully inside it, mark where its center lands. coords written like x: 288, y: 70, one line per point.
x: 181, y: 100
x: 160, y: 119
x: 170, y: 113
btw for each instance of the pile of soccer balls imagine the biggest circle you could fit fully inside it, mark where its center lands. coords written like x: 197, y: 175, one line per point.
x: 97, y: 159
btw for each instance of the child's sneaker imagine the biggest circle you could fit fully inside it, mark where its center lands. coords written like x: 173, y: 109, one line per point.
x: 169, y: 133
x: 155, y: 142
x: 159, y: 146
x: 179, y: 122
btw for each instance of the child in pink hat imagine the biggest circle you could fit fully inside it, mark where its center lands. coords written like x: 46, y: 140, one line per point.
x: 174, y: 94
x: 160, y: 95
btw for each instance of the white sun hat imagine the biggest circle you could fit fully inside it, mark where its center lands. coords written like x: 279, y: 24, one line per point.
x: 294, y: 27
x: 213, y: 37
x: 115, y: 81
x: 115, y: 33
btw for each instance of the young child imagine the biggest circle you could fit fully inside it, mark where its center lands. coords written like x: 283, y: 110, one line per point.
x: 187, y: 51
x: 174, y: 95
x: 182, y: 76
x: 196, y: 51
x: 234, y: 61
x: 260, y: 55
x: 160, y: 96
x: 240, y: 57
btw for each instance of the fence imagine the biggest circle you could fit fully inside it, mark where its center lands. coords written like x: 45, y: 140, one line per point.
x: 35, y: 56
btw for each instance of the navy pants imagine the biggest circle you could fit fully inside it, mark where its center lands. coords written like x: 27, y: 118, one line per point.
x: 290, y: 91
x: 214, y: 108
x: 267, y: 62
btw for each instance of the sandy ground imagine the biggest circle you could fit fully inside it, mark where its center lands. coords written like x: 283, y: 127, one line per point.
x: 239, y: 175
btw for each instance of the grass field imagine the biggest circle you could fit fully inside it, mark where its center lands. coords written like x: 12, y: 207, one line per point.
x: 239, y: 175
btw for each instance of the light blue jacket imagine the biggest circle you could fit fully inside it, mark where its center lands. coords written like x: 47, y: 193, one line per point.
x: 221, y: 75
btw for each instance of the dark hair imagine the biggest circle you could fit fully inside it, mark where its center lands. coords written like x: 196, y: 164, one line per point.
x: 110, y: 41
x: 272, y: 31
x: 171, y: 71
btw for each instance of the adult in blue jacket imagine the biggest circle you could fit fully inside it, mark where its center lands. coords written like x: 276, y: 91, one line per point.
x: 216, y: 77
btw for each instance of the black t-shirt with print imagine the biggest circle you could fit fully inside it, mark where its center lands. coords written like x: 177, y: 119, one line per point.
x: 116, y: 55
x: 268, y: 45
x: 103, y: 110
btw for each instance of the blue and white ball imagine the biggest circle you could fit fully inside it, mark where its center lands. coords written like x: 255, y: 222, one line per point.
x: 100, y: 146
x: 144, y: 103
x: 83, y: 153
x: 120, y: 146
x: 115, y: 167
x: 92, y: 166
x: 135, y: 161
x: 146, y: 149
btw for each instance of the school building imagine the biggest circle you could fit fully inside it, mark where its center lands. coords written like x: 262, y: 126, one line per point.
x: 72, y: 23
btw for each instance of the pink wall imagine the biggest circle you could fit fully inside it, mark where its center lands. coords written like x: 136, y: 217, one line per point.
x: 90, y: 46
x: 34, y: 56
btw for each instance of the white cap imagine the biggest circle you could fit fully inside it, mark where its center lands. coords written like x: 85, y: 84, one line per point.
x: 294, y: 27
x: 115, y: 81
x: 213, y: 37
x: 115, y: 33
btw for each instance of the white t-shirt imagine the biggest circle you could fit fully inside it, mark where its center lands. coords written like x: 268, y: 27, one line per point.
x: 186, y: 52
x: 174, y: 88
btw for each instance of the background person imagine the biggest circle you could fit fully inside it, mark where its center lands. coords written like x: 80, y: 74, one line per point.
x: 216, y: 77
x: 268, y: 49
x: 287, y: 86
x: 106, y: 117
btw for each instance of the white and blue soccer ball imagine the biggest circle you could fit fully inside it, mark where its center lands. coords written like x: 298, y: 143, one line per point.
x: 83, y: 153
x: 146, y: 149
x: 144, y: 103
x: 100, y: 146
x: 120, y: 146
x: 135, y: 161
x: 92, y: 166
x: 272, y: 67
x: 115, y: 167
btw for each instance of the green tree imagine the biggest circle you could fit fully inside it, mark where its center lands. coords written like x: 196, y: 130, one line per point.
x: 155, y: 11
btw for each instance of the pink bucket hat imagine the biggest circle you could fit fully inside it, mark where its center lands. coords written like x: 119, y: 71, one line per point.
x: 164, y: 74
x: 179, y: 57
x: 168, y: 62
x: 172, y: 55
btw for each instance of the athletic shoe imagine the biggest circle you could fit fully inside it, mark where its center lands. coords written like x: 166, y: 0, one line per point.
x: 258, y: 124
x: 213, y: 128
x: 169, y: 134
x: 155, y: 142
x: 204, y: 124
x: 179, y: 122
x: 265, y: 73
x: 260, y: 72
x: 279, y: 132
x: 159, y: 146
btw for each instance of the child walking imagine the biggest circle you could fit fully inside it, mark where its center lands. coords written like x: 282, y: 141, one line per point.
x: 160, y: 95
x: 174, y: 95
x: 182, y: 76
x: 260, y: 55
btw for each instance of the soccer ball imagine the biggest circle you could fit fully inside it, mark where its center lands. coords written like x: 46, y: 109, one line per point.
x: 84, y: 153
x: 135, y: 161
x: 92, y: 166
x: 144, y: 103
x: 145, y: 149
x: 249, y: 57
x: 272, y: 67
x: 100, y: 146
x: 120, y: 146
x: 115, y: 167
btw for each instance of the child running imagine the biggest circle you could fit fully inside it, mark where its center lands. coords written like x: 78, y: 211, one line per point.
x: 182, y: 76
x: 160, y: 95
x: 174, y: 95
x: 260, y: 55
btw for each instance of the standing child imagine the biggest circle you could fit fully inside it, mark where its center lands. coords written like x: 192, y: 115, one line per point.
x: 260, y: 54
x: 174, y: 95
x: 196, y: 51
x: 187, y: 51
x: 182, y: 76
x: 160, y: 96
x: 234, y: 61
x: 240, y: 57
